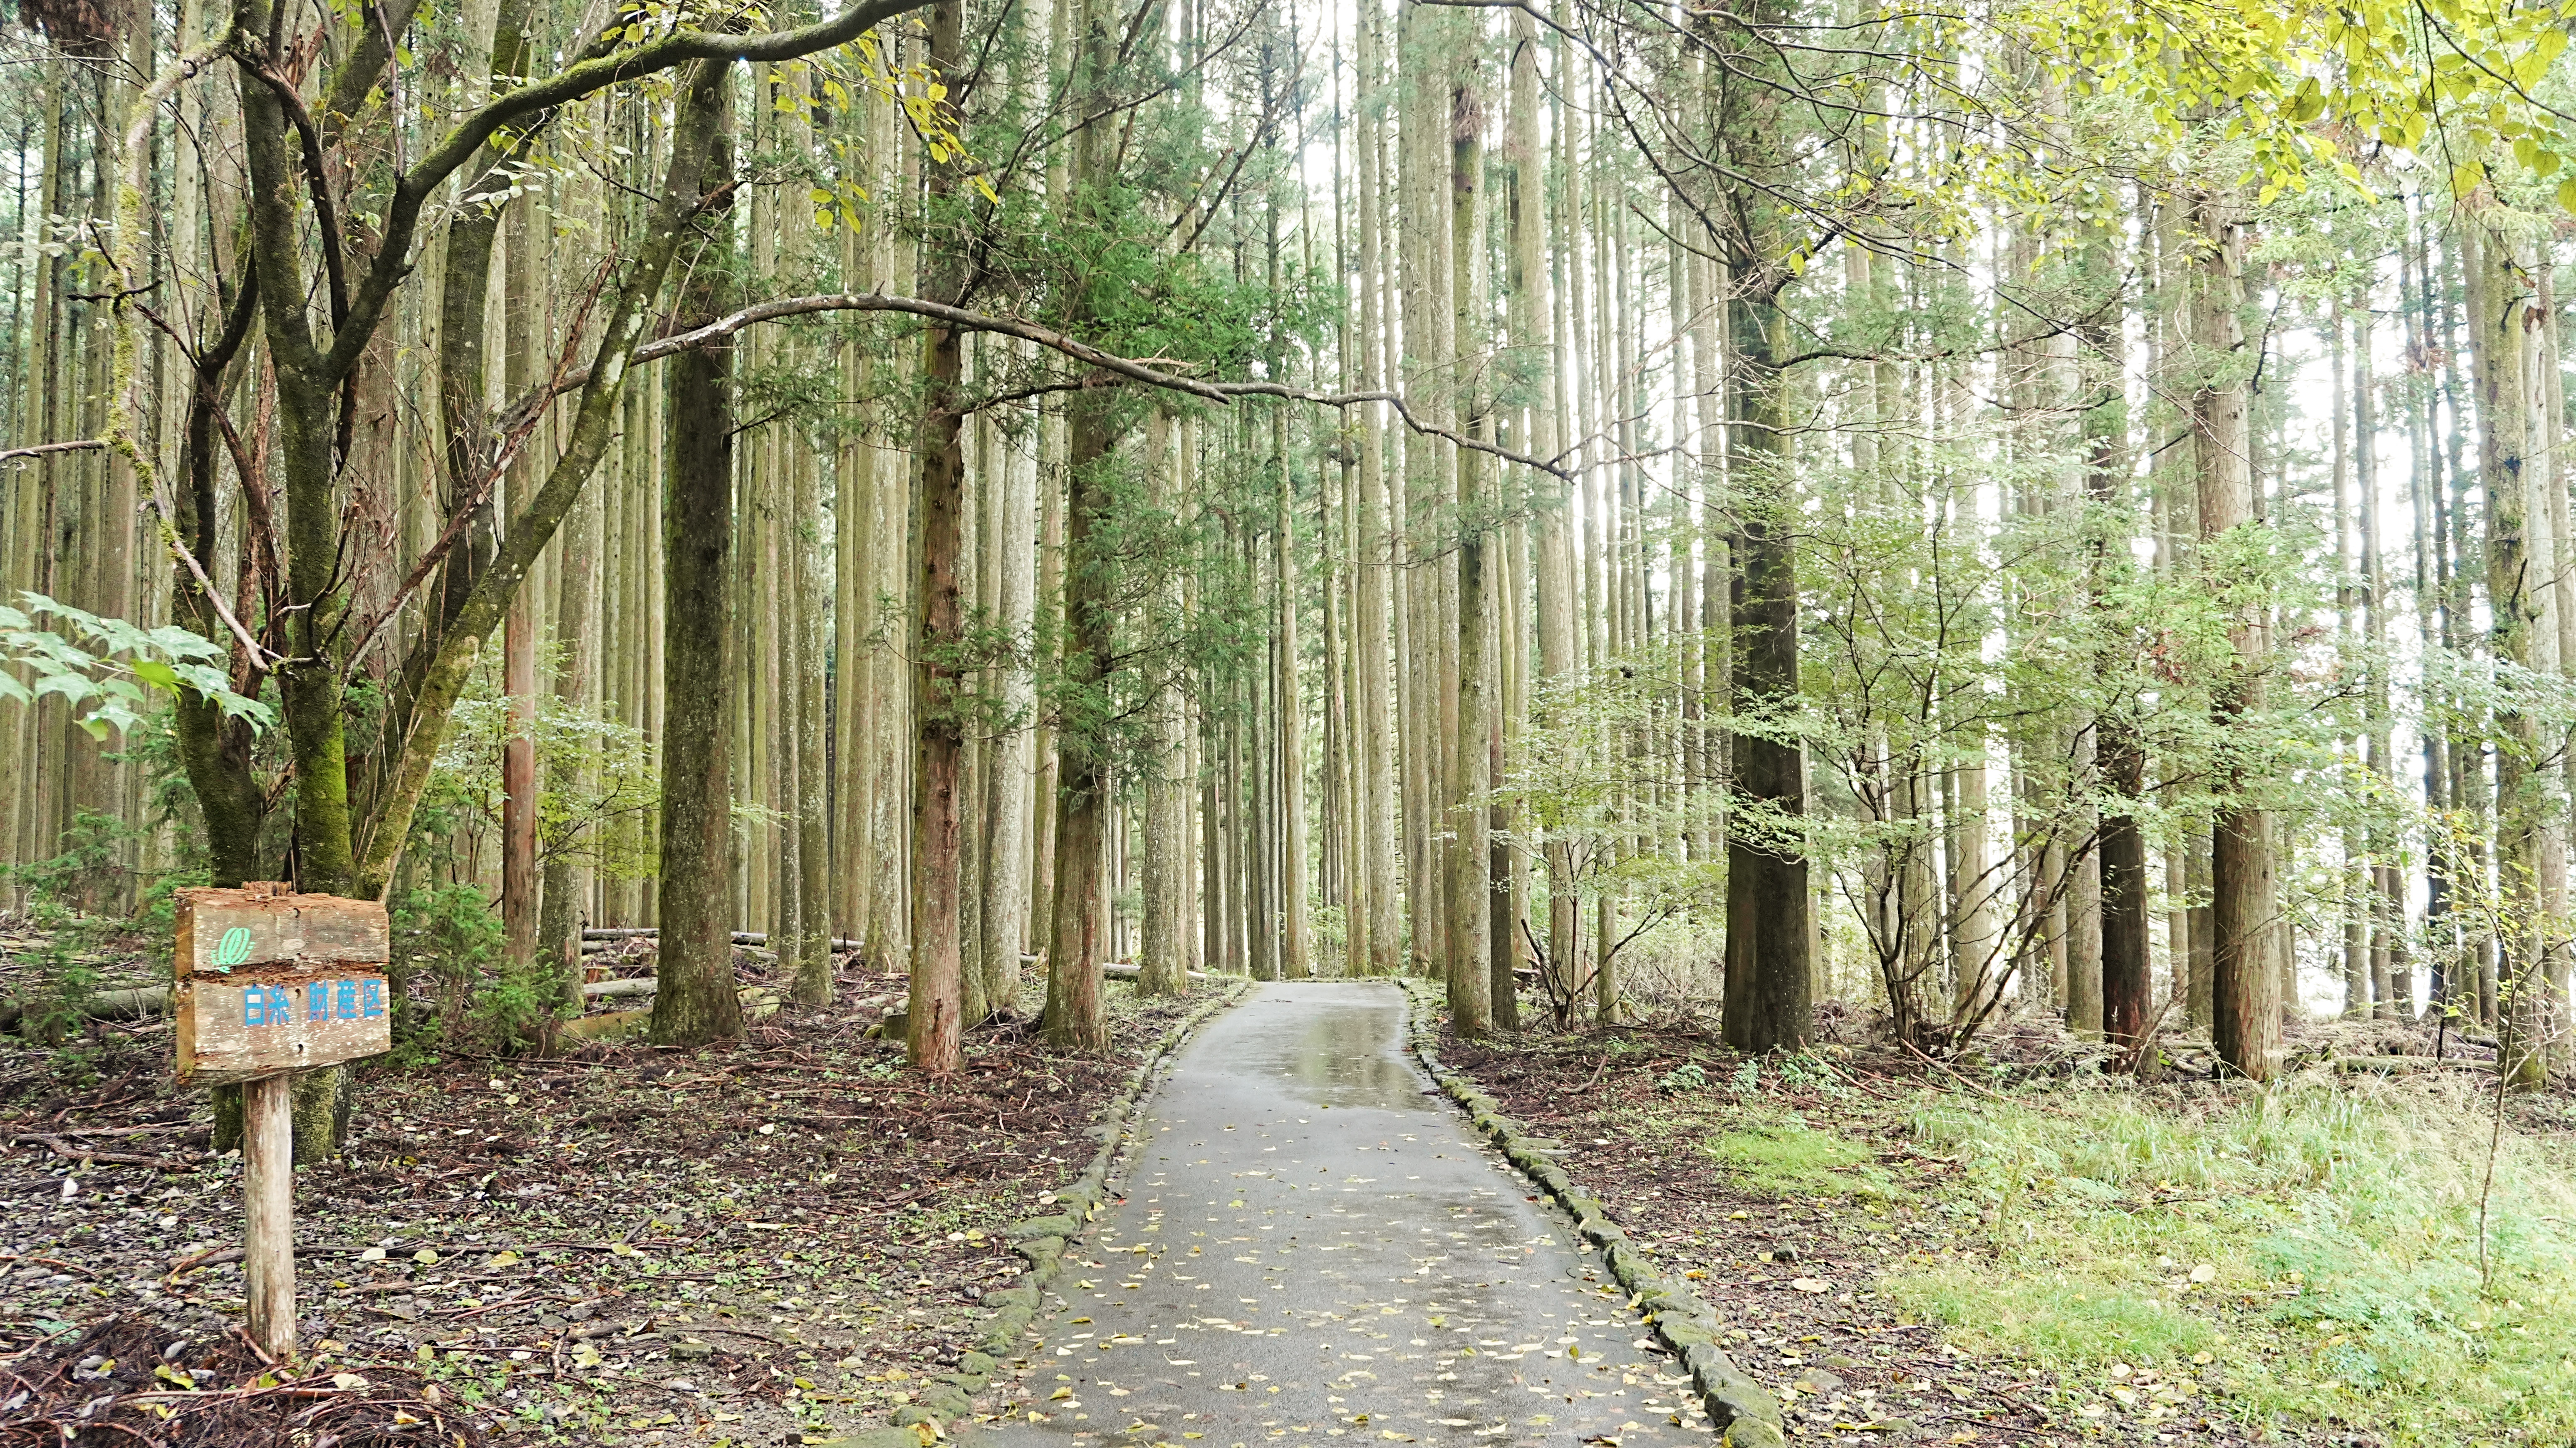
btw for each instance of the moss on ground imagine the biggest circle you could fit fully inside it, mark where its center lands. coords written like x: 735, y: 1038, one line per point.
x: 2317, y: 1241
x: 2327, y: 1259
x: 1779, y: 1152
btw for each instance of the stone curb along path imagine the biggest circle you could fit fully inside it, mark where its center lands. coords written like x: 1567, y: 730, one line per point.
x: 1742, y: 1409
x: 1042, y: 1241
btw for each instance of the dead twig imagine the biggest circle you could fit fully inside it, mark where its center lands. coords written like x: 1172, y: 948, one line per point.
x: 69, y: 1152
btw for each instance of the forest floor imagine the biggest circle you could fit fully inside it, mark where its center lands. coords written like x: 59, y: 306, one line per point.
x: 765, y: 1243
x: 776, y: 1242
x: 2034, y: 1253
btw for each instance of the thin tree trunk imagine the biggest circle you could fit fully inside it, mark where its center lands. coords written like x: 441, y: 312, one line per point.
x: 936, y: 1023
x: 2244, y: 1005
x: 566, y: 907
x: 805, y: 624
x: 1472, y: 1005
x: 2500, y: 336
x: 2125, y: 981
x: 1083, y: 782
x: 1009, y: 825
x: 1163, y: 965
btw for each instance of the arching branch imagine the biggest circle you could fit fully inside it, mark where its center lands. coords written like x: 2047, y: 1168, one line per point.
x: 1100, y: 359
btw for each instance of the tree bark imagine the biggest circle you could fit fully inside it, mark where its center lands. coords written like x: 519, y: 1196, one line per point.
x: 2126, y: 982
x: 936, y: 1043
x: 813, y: 963
x: 1472, y: 1005
x: 2245, y: 1009
x: 695, y: 999
x: 519, y: 880
x: 1769, y: 980
x: 1163, y: 963
x: 1008, y: 828
x: 2501, y: 327
x: 1079, y: 937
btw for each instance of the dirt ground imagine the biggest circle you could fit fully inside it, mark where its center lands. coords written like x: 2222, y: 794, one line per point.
x: 770, y: 1242
x: 1794, y: 1277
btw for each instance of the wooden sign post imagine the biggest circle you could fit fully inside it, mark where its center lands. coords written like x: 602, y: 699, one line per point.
x: 269, y: 982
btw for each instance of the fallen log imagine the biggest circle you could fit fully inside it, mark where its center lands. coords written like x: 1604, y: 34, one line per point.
x: 633, y: 986
x: 606, y: 1028
x: 759, y: 1003
x: 108, y: 1005
x: 2404, y: 1065
x: 648, y: 932
x: 1121, y: 970
x: 73, y: 1151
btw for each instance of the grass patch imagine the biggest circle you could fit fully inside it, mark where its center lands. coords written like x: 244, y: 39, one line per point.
x: 2319, y: 1242
x: 1778, y: 1152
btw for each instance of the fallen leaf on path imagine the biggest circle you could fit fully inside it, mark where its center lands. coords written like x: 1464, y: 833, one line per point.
x: 1810, y: 1284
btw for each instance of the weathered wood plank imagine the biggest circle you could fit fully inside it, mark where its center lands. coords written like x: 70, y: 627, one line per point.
x: 269, y: 982
x: 240, y: 1032
x: 264, y: 928
x: 268, y: 1214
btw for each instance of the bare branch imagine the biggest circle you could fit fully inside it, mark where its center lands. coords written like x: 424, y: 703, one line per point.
x: 87, y: 444
x: 1098, y: 358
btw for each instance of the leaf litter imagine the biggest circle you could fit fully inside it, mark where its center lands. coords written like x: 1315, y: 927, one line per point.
x: 602, y: 1248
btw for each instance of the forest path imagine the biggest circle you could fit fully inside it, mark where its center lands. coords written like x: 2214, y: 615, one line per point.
x: 1314, y: 1244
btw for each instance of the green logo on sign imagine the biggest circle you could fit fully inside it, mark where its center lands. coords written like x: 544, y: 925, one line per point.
x: 234, y: 948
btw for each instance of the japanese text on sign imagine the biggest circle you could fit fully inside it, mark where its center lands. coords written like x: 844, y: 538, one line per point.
x: 324, y: 1000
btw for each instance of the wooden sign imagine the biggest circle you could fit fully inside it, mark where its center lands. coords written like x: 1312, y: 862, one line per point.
x: 269, y: 981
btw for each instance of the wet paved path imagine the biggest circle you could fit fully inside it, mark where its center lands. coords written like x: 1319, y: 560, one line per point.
x: 1314, y: 1245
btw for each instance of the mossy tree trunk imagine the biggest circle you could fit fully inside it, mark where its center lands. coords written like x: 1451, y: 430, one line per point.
x: 695, y: 998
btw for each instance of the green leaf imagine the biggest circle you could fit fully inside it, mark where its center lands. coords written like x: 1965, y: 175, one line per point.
x: 72, y: 687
